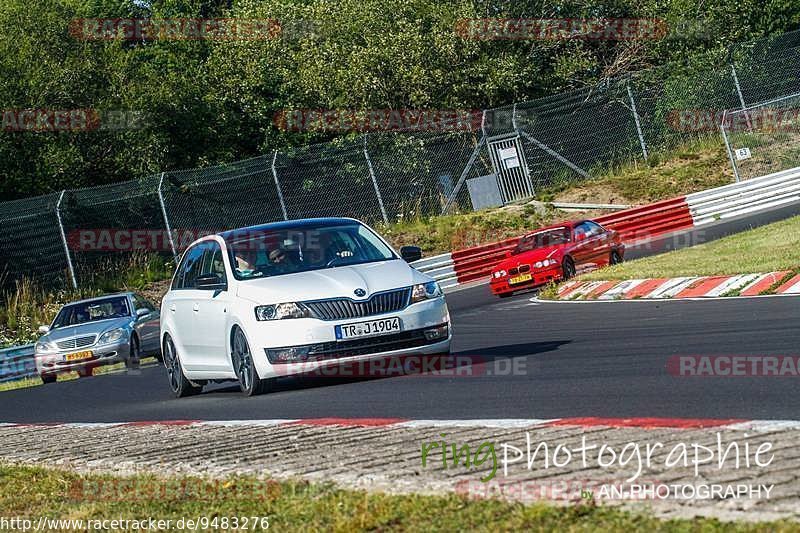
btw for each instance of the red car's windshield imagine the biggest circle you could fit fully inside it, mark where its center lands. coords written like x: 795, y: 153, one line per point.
x: 542, y: 239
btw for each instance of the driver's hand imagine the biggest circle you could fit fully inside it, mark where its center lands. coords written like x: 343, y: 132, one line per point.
x: 345, y: 253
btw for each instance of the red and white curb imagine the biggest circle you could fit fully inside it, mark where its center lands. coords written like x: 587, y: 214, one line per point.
x: 683, y: 287
x: 502, y: 423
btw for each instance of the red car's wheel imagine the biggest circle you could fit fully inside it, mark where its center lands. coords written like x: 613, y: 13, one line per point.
x: 567, y: 268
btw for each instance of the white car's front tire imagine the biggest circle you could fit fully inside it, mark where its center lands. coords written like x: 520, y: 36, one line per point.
x: 181, y: 387
x: 242, y: 359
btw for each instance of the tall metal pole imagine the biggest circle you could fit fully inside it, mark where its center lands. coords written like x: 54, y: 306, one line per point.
x: 741, y: 97
x: 64, y: 241
x: 728, y: 148
x: 636, y: 120
x: 375, y: 182
x: 166, y: 219
x: 278, y: 186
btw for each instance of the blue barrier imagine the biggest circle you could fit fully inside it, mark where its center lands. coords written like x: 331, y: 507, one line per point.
x: 17, y: 362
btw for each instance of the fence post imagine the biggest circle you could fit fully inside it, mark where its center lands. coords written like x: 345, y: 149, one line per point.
x: 375, y: 181
x: 464, y: 173
x: 278, y: 186
x: 166, y: 219
x: 741, y: 97
x: 728, y: 147
x: 636, y: 119
x: 64, y: 241
x: 514, y: 117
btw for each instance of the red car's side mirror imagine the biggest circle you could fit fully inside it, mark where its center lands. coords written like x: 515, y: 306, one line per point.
x: 580, y: 237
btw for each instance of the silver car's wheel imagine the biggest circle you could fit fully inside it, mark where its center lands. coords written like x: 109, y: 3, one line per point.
x: 132, y: 362
x: 177, y: 381
x: 243, y: 365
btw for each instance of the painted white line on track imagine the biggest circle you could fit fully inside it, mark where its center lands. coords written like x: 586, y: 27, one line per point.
x: 508, y: 423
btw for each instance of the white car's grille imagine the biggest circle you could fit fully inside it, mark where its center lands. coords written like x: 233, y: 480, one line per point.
x: 342, y: 308
x: 76, y: 342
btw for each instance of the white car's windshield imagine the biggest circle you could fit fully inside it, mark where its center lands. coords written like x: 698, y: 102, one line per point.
x: 542, y: 239
x: 262, y: 253
x: 92, y: 311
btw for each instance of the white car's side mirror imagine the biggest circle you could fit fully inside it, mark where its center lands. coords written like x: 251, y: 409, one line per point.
x: 44, y: 330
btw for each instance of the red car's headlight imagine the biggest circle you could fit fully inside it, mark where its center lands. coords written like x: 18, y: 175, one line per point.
x: 499, y: 273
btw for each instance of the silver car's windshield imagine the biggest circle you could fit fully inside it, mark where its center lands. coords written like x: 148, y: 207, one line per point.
x: 92, y: 311
x: 258, y: 254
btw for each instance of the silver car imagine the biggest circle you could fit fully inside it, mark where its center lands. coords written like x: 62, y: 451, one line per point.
x: 98, y: 331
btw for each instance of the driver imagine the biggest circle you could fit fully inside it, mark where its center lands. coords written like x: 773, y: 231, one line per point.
x: 118, y: 309
x: 282, y: 260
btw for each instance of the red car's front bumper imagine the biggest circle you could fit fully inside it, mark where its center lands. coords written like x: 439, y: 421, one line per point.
x: 538, y: 277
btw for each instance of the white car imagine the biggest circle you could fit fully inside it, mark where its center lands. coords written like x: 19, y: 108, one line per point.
x: 285, y: 298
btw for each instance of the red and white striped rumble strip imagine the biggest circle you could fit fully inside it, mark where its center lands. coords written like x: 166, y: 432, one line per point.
x: 771, y: 283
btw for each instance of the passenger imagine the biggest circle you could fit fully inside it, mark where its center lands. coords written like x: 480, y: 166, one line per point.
x: 246, y: 261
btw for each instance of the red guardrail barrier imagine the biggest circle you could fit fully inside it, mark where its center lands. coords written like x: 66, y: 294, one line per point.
x: 477, y: 262
x: 650, y: 220
x: 635, y: 224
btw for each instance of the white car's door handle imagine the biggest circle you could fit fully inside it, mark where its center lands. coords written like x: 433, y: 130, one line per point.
x: 196, y: 308
x: 172, y: 308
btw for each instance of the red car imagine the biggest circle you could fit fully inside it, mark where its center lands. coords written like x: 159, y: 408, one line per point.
x: 556, y: 253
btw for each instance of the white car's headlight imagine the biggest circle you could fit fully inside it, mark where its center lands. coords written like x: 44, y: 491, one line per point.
x: 43, y: 347
x: 112, y: 336
x: 425, y: 291
x: 281, y: 311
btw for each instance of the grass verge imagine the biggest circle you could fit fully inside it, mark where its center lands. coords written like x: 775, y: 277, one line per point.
x: 768, y: 248
x: 31, y: 492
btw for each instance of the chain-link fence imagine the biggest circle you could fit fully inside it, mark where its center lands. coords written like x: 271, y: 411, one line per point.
x: 515, y: 152
x: 764, y: 138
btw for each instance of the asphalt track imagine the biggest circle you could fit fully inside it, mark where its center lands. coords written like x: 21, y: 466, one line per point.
x: 570, y: 360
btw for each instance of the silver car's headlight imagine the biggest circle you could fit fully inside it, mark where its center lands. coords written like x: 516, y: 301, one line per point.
x: 281, y: 311
x: 112, y: 336
x: 425, y: 291
x: 43, y: 347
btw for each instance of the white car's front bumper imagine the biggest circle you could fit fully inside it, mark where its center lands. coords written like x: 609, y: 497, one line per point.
x: 320, y: 336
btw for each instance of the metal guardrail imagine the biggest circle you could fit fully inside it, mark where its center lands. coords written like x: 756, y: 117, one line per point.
x: 17, y: 362
x: 758, y: 194
x: 439, y: 267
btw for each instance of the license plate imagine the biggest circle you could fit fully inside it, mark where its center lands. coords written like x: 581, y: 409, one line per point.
x: 521, y: 279
x: 78, y: 356
x: 368, y: 329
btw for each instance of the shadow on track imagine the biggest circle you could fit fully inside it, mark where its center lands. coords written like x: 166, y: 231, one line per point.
x: 469, y: 363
